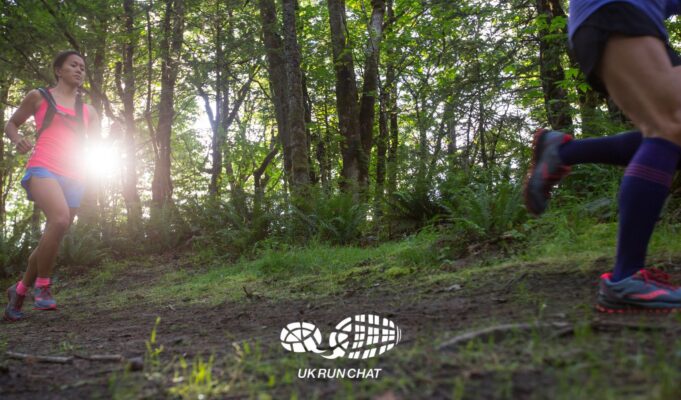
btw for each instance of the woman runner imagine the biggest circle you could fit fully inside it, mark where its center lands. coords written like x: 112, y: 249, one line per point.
x: 54, y: 177
x: 622, y: 46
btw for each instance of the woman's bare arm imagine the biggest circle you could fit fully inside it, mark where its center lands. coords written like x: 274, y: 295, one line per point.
x: 27, y: 108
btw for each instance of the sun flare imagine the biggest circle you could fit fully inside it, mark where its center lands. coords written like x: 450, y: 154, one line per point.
x: 102, y: 160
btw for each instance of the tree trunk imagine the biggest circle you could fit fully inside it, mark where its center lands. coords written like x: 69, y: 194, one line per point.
x: 482, y: 132
x: 5, y: 172
x: 588, y: 106
x: 300, y: 168
x: 150, y: 74
x: 99, y: 25
x: 35, y: 226
x: 218, y: 139
x: 93, y: 199
x: 171, y: 45
x: 551, y: 48
x: 276, y: 66
x: 370, y: 89
x: 381, y: 148
x: 346, y: 97
x: 307, y: 102
x: 390, y: 88
x: 126, y: 92
x: 391, y: 167
x: 322, y: 150
x: 258, y: 181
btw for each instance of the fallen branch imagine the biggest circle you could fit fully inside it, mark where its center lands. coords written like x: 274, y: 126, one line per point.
x: 45, y: 359
x: 103, y: 357
x: 251, y: 295
x: 513, y: 281
x: 499, y: 331
x: 614, y: 326
x: 563, y: 329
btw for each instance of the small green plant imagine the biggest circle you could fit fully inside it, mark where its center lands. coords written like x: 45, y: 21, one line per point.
x: 152, y: 358
x: 459, y: 388
x: 66, y: 347
x: 3, y: 344
x: 196, y: 382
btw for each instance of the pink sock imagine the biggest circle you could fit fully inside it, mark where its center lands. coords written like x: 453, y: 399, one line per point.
x: 21, y: 289
x: 41, y: 282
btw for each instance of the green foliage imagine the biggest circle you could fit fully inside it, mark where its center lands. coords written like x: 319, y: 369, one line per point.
x: 412, y: 209
x: 223, y: 229
x: 335, y: 218
x: 82, y: 246
x: 466, y: 110
x: 152, y: 358
x: 196, y: 382
x: 166, y: 228
x: 13, y: 254
x: 488, y: 211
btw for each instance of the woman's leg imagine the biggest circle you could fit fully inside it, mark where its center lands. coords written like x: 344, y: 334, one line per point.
x: 49, y: 197
x: 32, y: 270
x: 644, y: 84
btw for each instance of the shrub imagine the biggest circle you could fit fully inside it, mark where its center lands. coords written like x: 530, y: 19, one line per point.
x: 332, y: 217
x: 82, y: 246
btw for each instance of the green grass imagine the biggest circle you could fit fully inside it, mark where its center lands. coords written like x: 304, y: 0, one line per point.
x: 558, y: 243
x: 585, y: 364
x: 308, y: 272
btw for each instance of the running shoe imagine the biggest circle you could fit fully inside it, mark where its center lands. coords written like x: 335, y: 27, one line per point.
x: 647, y: 290
x: 14, y: 303
x: 547, y: 169
x: 43, y: 298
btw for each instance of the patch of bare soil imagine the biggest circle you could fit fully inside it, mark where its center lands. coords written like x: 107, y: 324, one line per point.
x: 430, y: 316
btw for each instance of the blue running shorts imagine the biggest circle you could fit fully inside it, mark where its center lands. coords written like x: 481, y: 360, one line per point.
x: 73, y: 189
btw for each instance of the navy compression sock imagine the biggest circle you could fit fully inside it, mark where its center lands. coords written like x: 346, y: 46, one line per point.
x: 615, y: 150
x: 643, y: 191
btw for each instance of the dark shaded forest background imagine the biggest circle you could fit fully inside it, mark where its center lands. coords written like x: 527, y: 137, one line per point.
x: 237, y: 125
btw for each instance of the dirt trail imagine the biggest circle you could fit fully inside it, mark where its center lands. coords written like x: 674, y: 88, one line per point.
x: 188, y: 331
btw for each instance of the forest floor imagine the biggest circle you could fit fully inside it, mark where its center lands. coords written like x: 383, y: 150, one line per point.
x: 219, y: 327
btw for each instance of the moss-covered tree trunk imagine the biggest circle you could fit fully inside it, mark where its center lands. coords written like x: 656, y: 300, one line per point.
x: 276, y: 66
x: 346, y: 96
x: 171, y: 45
x: 370, y: 88
x: 551, y: 48
x: 300, y: 168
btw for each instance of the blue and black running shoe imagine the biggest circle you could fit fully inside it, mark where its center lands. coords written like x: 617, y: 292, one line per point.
x: 647, y: 290
x: 15, y: 301
x: 546, y: 170
x: 43, y: 299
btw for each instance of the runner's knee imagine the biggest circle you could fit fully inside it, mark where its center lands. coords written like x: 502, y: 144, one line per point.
x: 60, y: 222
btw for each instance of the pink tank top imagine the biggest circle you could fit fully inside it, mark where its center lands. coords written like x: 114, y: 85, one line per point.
x: 60, y: 148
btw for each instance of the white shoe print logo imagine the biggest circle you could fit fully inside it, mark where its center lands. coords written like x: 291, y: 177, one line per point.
x: 359, y: 337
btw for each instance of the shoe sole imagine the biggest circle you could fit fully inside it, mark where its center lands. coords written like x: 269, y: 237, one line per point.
x: 537, y: 143
x: 635, y: 310
x: 46, y: 308
x: 7, y: 319
x: 605, y: 306
x: 4, y: 314
x: 538, y: 136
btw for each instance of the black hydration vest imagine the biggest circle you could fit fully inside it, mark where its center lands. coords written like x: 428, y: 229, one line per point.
x: 52, y: 110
